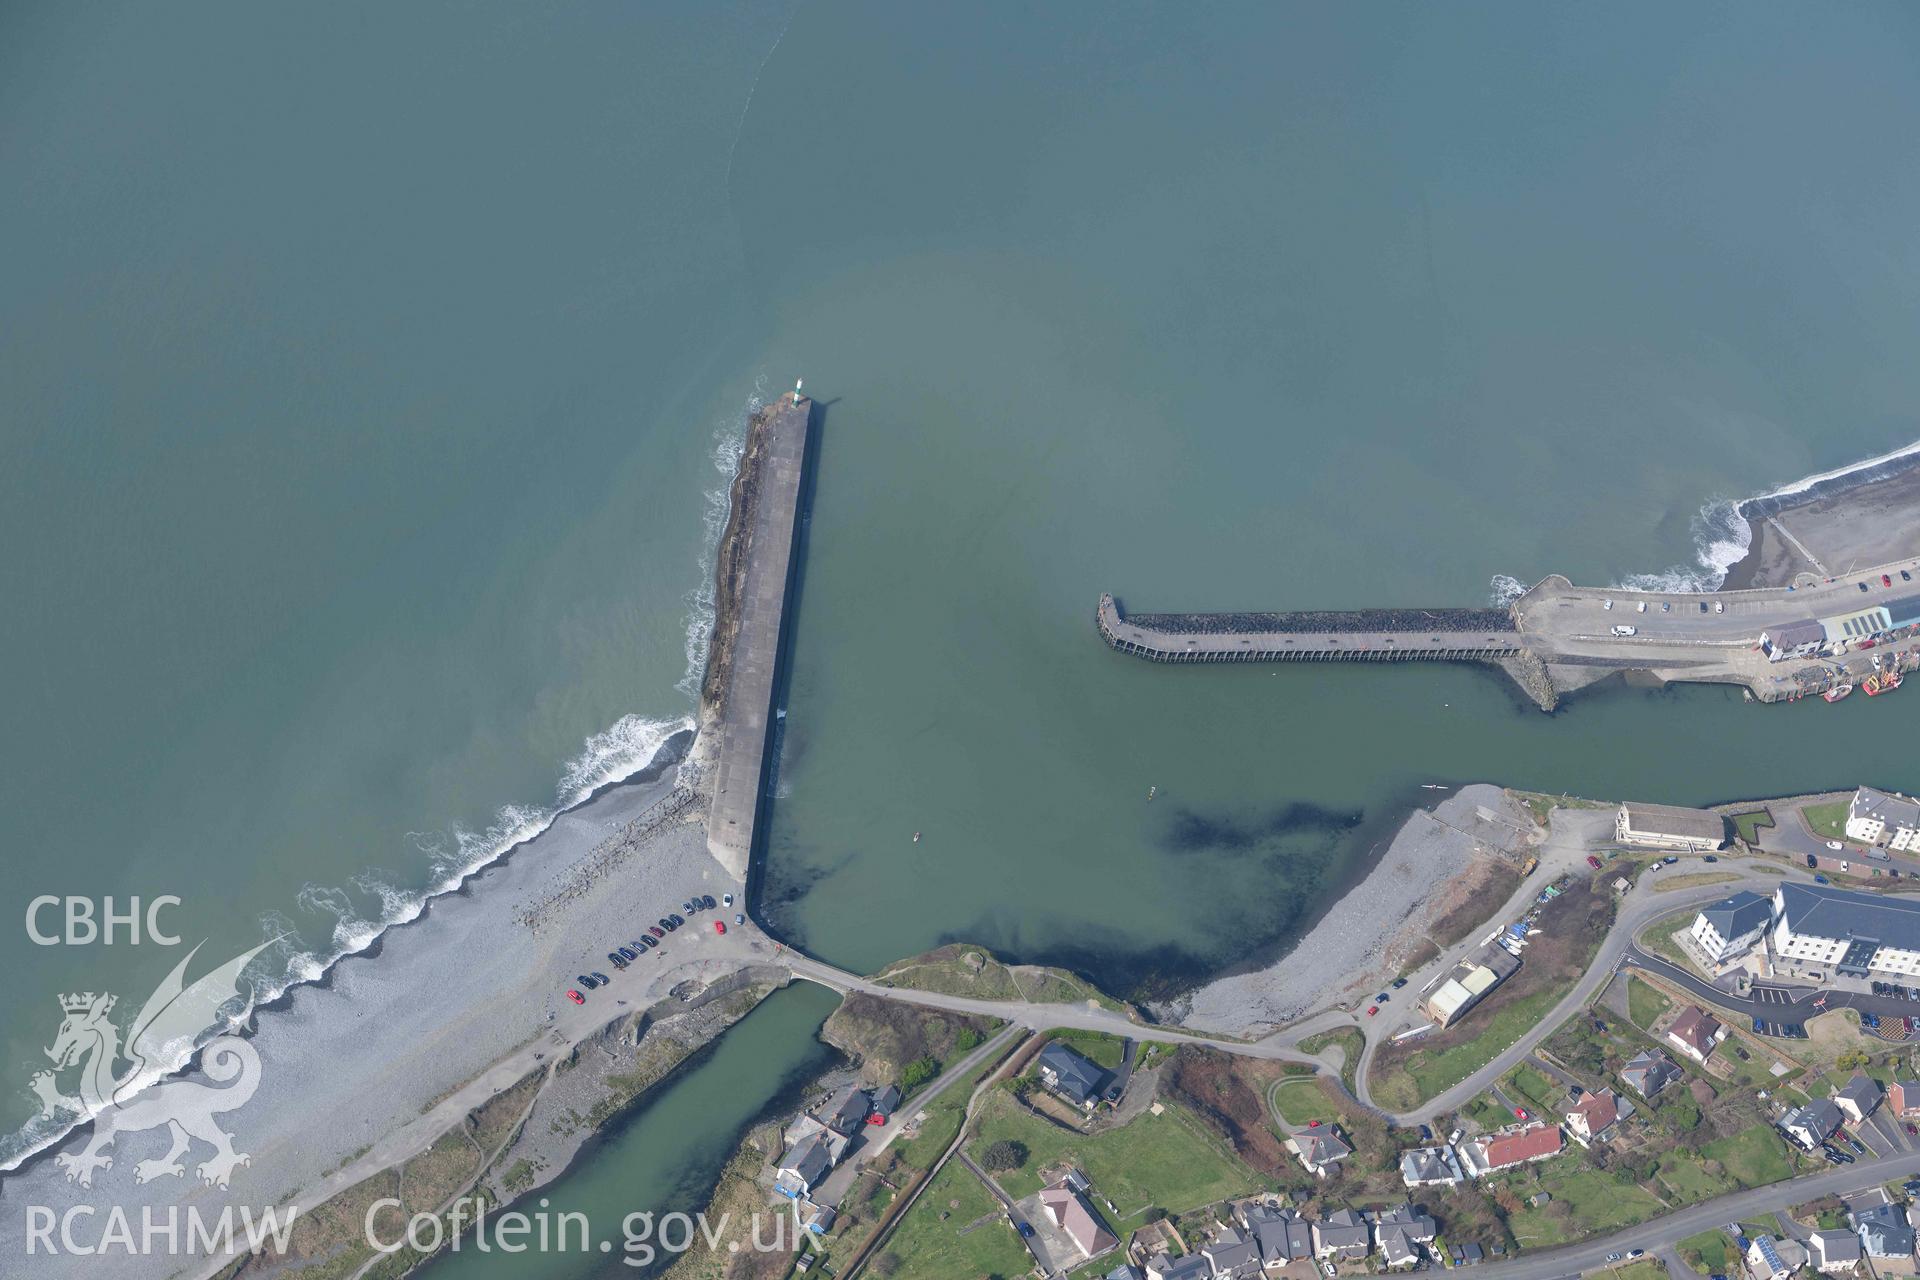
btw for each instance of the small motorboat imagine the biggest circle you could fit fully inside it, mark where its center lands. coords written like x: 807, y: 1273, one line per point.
x: 1838, y: 692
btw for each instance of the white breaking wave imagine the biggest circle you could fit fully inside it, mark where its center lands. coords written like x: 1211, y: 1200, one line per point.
x: 729, y: 443
x: 617, y: 752
x: 1721, y: 536
x: 1808, y: 482
x: 1505, y: 589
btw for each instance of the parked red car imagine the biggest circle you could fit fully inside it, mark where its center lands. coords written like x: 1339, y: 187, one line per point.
x: 1593, y: 862
x: 1372, y: 1009
x: 1885, y: 581
x: 575, y: 996
x: 1520, y: 1113
x: 719, y: 926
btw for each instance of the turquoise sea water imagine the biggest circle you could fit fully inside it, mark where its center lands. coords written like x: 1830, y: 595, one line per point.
x: 367, y: 369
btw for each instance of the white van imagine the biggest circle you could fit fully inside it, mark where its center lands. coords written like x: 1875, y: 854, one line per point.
x: 1625, y: 631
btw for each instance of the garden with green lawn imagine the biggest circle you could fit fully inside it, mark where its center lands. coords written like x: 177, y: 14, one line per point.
x: 1303, y: 1100
x: 1534, y: 1088
x: 944, y: 1115
x: 1591, y: 1202
x: 1711, y: 1251
x: 1426, y: 1074
x: 1828, y: 821
x: 1096, y: 1047
x: 956, y: 1228
x: 1749, y: 825
x: 1168, y: 1160
x: 1753, y: 1157
x: 1645, y: 1003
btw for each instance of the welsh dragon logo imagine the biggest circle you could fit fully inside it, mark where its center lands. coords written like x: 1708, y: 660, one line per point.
x: 173, y: 1016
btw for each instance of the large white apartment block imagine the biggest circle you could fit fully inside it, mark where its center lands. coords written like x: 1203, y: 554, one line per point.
x: 1817, y: 927
x: 1877, y: 817
x: 1728, y: 929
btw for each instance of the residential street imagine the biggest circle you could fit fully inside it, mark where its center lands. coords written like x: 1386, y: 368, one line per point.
x: 1641, y: 906
x: 1664, y: 1233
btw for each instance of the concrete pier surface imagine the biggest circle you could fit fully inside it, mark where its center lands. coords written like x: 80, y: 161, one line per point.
x: 1572, y: 636
x: 754, y: 571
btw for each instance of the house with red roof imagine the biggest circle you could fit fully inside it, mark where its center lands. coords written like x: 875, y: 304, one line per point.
x: 1510, y: 1148
x: 1593, y: 1118
x: 1694, y: 1033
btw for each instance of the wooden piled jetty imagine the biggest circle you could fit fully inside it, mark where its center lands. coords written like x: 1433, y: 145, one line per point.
x: 1356, y: 635
x: 1360, y: 635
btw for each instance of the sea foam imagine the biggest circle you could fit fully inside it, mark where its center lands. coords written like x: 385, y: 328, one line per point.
x: 619, y: 751
x: 1723, y: 532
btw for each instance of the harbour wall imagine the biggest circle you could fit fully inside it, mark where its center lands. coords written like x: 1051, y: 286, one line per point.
x: 754, y: 574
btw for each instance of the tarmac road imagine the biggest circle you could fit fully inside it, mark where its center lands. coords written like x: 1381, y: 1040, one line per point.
x: 1664, y: 1233
x: 1772, y: 1001
x: 1642, y: 905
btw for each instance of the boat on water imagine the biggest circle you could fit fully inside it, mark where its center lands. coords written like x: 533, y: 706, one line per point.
x: 1881, y: 682
x: 1838, y: 692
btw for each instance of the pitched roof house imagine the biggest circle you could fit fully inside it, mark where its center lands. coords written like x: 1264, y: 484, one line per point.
x: 1694, y: 1033
x: 1834, y: 1251
x: 1594, y: 1116
x: 1812, y: 1124
x: 1191, y: 1266
x: 1905, y: 1098
x: 1771, y: 1259
x: 1319, y: 1149
x: 804, y: 1165
x: 1068, y: 1210
x: 1504, y: 1150
x: 1070, y: 1074
x: 846, y: 1110
x: 1342, y: 1235
x: 1233, y: 1255
x: 1884, y: 1235
x: 881, y: 1108
x: 1431, y: 1166
x: 1399, y: 1232
x: 1281, y: 1235
x: 1649, y: 1072
x: 1858, y: 1097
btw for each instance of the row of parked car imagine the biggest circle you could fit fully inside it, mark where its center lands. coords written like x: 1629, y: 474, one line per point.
x: 621, y: 957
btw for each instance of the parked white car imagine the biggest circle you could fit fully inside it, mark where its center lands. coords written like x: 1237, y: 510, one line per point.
x: 1625, y: 631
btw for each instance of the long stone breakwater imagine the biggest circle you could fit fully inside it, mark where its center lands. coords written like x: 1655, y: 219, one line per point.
x: 753, y: 574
